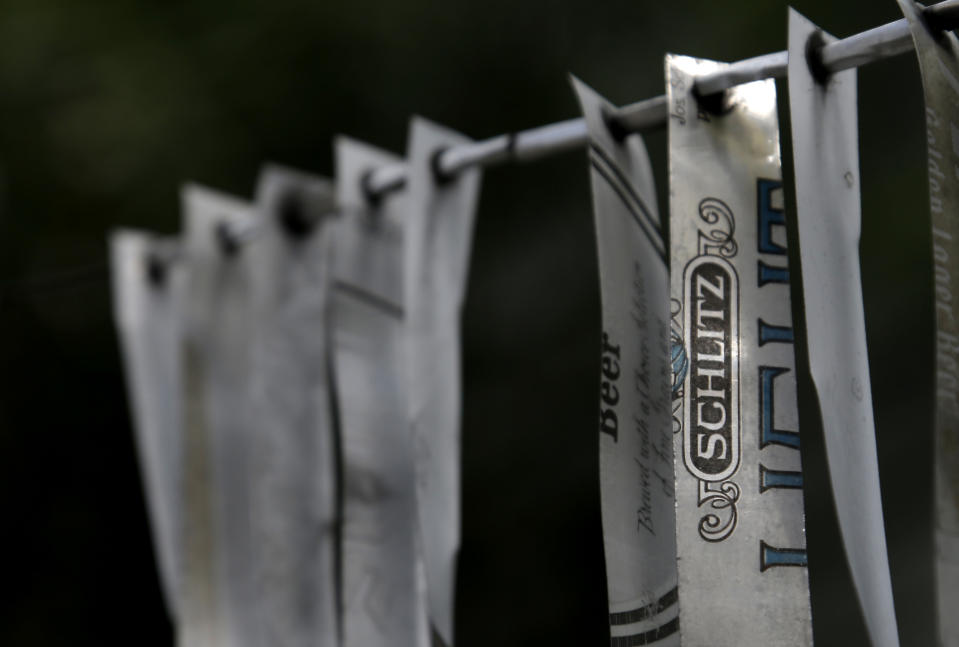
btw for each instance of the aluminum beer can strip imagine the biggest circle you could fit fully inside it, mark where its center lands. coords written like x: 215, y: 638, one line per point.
x: 438, y: 237
x: 739, y: 507
x: 635, y: 434
x: 826, y: 158
x: 384, y: 603
x: 294, y: 511
x: 939, y: 63
x: 217, y: 543
x: 148, y: 311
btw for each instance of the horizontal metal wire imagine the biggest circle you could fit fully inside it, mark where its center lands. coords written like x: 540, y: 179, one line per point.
x: 855, y: 51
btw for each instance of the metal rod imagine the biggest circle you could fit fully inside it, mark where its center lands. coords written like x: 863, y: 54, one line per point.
x: 874, y: 44
x: 538, y: 142
x: 643, y: 115
x: 860, y: 49
x: 768, y: 66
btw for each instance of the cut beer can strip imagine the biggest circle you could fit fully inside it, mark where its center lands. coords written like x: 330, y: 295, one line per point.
x: 826, y: 159
x: 295, y: 511
x: 383, y: 593
x: 635, y: 435
x: 739, y: 504
x: 939, y: 63
x: 438, y: 236
x: 148, y: 311
x: 217, y: 589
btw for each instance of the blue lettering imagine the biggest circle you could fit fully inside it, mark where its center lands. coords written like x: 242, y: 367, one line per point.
x: 776, y: 479
x: 772, y: 274
x: 774, y: 334
x: 770, y: 556
x: 769, y: 434
x: 768, y: 217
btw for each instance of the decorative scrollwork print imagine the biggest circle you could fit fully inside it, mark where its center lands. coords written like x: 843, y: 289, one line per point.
x: 716, y: 526
x: 720, y: 229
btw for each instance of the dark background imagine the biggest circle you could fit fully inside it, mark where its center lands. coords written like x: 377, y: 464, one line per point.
x: 106, y: 107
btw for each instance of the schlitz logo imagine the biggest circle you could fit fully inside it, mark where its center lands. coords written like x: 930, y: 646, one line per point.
x: 711, y: 407
x: 705, y: 358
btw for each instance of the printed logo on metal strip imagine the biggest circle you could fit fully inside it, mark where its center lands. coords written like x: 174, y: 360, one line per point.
x: 711, y: 425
